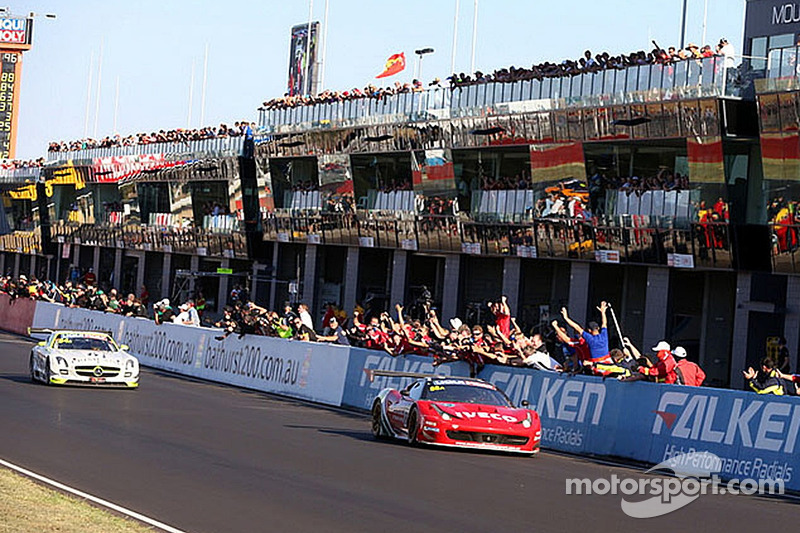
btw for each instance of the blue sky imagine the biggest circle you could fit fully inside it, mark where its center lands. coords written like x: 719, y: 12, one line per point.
x: 150, y: 46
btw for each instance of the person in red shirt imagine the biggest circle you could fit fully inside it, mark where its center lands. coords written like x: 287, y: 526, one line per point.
x: 575, y: 350
x: 664, y: 369
x: 90, y: 278
x: 688, y: 372
x: 502, y: 315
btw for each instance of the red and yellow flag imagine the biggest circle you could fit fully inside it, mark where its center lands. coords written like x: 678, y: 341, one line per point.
x: 396, y: 63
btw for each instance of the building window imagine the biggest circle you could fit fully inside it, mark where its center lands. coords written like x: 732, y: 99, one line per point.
x: 758, y: 49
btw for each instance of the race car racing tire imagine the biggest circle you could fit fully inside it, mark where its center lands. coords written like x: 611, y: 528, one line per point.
x: 413, y: 427
x: 33, y: 372
x: 377, y: 421
x: 47, y: 373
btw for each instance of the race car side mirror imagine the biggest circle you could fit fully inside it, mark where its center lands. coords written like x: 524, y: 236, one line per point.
x: 525, y: 403
x: 404, y: 392
x: 124, y: 347
x: 42, y: 343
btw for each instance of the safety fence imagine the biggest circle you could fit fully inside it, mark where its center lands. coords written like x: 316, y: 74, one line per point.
x: 754, y: 436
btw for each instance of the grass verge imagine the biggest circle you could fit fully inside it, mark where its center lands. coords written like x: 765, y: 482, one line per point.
x: 26, y: 506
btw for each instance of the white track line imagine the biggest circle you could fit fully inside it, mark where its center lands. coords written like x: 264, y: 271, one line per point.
x: 94, y: 499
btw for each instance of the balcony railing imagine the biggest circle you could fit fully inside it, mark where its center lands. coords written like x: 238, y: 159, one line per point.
x: 627, y: 239
x: 149, y: 238
x: 647, y: 83
x: 219, y: 147
x: 630, y: 239
x: 19, y: 175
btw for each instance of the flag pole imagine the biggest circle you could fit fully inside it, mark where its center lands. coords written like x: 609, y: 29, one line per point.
x: 88, y: 96
x: 307, y: 80
x: 97, y: 96
x: 683, y: 25
x: 474, y: 38
x: 116, y: 105
x: 324, y: 58
x: 203, y: 94
x: 705, y: 23
x: 191, y: 97
x: 455, y: 40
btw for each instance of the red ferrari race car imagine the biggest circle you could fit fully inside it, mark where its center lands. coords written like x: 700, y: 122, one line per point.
x: 455, y: 412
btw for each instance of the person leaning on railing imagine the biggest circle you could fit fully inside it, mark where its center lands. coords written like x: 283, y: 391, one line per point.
x: 765, y: 381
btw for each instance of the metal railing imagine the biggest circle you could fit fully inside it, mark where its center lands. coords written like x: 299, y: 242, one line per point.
x: 150, y: 238
x: 219, y: 147
x: 626, y: 239
x: 690, y: 78
x: 19, y: 175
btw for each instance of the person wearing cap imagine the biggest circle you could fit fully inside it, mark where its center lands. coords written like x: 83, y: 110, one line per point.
x: 664, y: 369
x: 596, y: 335
x: 693, y: 51
x: 334, y: 333
x: 688, y: 373
x: 163, y: 312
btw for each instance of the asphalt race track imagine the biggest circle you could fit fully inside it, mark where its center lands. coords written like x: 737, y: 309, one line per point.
x: 208, y: 458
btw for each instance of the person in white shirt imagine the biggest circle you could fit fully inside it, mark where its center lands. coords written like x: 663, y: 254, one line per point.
x: 305, y: 316
x: 188, y: 315
x: 536, y: 356
x: 726, y: 50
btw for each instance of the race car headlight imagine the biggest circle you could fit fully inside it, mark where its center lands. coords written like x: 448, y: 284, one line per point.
x: 527, y: 422
x: 442, y: 413
x: 62, y: 364
x: 130, y: 367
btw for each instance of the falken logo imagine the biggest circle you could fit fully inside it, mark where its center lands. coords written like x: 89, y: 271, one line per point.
x: 763, y: 425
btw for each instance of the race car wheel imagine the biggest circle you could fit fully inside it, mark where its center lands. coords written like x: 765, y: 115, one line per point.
x: 413, y: 427
x: 47, y: 373
x: 33, y: 372
x: 377, y: 422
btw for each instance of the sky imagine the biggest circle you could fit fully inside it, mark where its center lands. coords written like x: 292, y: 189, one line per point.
x: 149, y: 48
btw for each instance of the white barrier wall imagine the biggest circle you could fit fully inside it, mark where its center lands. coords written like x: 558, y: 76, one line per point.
x: 298, y: 369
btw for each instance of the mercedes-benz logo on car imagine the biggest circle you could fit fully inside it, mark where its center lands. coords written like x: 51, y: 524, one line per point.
x: 97, y: 371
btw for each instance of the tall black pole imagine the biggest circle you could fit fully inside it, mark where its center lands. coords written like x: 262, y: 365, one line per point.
x: 683, y: 25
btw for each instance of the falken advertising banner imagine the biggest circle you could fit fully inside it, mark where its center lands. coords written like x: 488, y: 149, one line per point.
x: 298, y: 369
x: 755, y: 436
x: 360, y: 392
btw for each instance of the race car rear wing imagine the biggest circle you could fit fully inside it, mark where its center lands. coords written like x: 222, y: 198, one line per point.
x: 371, y: 373
x: 48, y: 331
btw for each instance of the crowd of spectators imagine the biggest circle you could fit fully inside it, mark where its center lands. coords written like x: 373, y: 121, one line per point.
x: 663, y: 180
x: 592, y: 63
x: 563, y: 345
x: 588, y: 63
x: 239, y: 129
x: 288, y: 101
x: 498, y: 341
x: 15, y: 164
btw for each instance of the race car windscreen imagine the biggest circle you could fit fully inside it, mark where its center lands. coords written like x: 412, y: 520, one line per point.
x: 94, y: 344
x: 460, y: 391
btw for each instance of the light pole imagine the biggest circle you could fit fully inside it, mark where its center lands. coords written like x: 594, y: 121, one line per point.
x: 421, y: 52
x: 683, y: 25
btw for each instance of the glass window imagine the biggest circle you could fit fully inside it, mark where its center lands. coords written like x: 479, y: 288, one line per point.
x: 781, y: 41
x: 758, y: 48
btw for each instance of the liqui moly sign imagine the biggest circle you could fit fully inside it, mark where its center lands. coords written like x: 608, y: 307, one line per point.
x: 14, y: 31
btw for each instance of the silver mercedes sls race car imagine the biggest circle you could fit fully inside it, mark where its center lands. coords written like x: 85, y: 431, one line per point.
x: 93, y: 358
